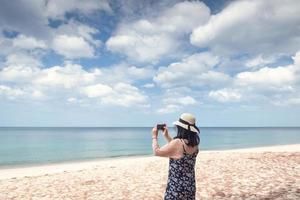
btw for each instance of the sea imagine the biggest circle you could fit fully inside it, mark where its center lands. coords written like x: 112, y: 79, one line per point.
x: 23, y: 146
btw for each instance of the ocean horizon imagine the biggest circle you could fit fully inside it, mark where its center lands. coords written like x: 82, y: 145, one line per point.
x: 24, y: 146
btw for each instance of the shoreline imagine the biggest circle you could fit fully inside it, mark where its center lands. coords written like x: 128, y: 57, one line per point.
x: 71, y: 161
x: 68, y: 166
x: 279, y: 147
x: 54, y: 168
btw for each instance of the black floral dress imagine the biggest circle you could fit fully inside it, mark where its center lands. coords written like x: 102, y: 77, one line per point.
x: 181, y: 179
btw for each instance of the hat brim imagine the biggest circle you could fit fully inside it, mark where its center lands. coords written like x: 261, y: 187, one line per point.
x: 178, y: 123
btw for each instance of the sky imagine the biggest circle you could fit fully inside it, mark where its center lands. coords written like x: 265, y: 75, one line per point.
x: 142, y: 62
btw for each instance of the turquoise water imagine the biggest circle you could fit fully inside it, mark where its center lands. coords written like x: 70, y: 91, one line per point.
x: 27, y: 146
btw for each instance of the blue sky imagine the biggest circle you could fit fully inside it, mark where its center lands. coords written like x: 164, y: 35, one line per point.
x: 137, y: 63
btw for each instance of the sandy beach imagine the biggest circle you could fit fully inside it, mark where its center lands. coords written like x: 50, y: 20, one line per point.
x: 254, y: 173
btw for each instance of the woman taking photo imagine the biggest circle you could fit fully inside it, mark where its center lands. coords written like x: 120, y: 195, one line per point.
x: 182, y: 151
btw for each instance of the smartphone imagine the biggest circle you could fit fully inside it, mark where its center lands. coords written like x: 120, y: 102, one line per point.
x: 160, y: 127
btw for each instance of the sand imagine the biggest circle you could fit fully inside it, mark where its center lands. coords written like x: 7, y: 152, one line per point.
x: 254, y: 173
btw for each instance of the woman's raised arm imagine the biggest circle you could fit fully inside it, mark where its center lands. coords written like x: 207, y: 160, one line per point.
x: 166, y: 134
x: 167, y: 150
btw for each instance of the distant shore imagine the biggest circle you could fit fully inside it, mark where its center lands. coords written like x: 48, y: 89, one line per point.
x: 252, y: 173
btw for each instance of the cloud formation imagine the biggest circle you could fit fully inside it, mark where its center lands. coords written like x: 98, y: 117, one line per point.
x: 196, y: 70
x: 72, y: 47
x: 58, y: 9
x: 148, y: 39
x: 70, y: 81
x: 225, y: 95
x: 252, y: 27
x: 158, y: 57
x: 278, y: 85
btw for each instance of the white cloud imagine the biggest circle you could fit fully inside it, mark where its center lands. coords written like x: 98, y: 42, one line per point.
x: 260, y: 61
x: 70, y: 82
x: 126, y: 95
x: 74, y: 28
x: 11, y: 92
x: 15, y: 93
x: 181, y: 101
x: 168, y: 109
x: 25, y: 42
x: 296, y: 59
x: 72, y: 47
x: 57, y: 9
x: 188, y: 100
x: 184, y: 16
x: 68, y: 76
x: 279, y: 76
x: 225, y: 95
x: 141, y: 73
x: 270, y: 84
x: 31, y: 17
x: 19, y: 68
x: 141, y: 48
x: 123, y: 72
x: 71, y: 39
x: 17, y: 74
x: 277, y: 85
x: 97, y: 90
x: 148, y: 39
x: 176, y: 99
x: 252, y: 27
x: 194, y: 71
x: 22, y: 59
x: 117, y: 94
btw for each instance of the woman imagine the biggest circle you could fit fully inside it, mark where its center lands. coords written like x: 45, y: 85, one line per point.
x: 182, y: 151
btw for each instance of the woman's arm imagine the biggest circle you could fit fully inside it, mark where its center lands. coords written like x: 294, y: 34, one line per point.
x: 167, y: 150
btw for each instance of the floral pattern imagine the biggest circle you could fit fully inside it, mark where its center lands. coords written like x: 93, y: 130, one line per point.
x: 181, y: 179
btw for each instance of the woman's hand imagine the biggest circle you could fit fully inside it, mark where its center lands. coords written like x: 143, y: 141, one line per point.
x: 165, y: 132
x: 154, y: 132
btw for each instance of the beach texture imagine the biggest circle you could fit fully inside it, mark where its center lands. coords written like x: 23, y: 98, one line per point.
x: 257, y: 173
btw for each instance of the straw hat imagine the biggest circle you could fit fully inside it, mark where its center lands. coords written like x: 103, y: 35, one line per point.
x: 188, y: 122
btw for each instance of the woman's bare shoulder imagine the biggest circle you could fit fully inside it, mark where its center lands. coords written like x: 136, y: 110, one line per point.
x: 176, y: 140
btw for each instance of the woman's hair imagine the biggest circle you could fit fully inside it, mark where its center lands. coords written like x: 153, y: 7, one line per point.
x: 192, y: 137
